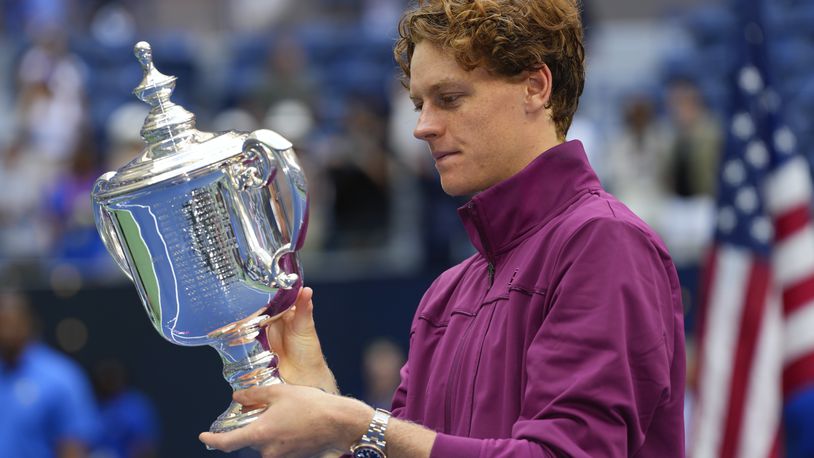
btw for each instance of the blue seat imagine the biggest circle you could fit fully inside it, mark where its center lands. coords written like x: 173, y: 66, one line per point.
x: 710, y: 24
x: 792, y: 58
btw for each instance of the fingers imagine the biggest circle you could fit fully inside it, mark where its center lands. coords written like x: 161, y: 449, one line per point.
x: 228, y: 441
x: 257, y: 395
x: 244, y: 436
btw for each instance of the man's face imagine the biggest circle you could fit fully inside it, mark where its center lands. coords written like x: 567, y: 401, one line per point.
x: 15, y: 330
x: 473, y: 122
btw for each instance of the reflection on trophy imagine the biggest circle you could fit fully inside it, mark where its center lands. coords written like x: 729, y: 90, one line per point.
x: 207, y: 226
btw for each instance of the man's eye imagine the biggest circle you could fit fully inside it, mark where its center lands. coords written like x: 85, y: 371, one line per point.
x: 417, y: 107
x: 449, y: 99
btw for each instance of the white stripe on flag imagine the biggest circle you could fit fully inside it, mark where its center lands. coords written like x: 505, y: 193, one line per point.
x: 721, y: 330
x: 798, y: 334
x: 763, y: 401
x: 788, y: 186
x: 792, y: 257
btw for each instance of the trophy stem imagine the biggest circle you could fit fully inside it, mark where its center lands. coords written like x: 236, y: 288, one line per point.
x: 247, y: 362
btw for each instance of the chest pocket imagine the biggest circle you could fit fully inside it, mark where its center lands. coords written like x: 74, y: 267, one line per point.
x: 463, y: 294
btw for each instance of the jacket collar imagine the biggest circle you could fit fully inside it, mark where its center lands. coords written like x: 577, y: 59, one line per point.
x: 509, y: 211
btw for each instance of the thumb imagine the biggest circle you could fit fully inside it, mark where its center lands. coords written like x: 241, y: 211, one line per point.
x: 303, y: 319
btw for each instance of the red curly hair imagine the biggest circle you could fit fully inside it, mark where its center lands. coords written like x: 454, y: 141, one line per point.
x: 507, y: 38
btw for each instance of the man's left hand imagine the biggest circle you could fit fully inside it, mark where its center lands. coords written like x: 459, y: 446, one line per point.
x: 299, y: 421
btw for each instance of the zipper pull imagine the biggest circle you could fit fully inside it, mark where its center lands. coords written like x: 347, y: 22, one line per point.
x: 491, y: 269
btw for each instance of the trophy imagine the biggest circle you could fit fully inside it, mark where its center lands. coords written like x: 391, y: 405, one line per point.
x: 207, y: 226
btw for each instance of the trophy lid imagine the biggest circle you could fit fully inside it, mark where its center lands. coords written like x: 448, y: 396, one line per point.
x: 173, y: 145
x: 168, y: 127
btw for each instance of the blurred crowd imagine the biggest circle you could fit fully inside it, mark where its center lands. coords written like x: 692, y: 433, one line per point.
x: 70, y: 115
x: 321, y: 73
x: 653, y: 119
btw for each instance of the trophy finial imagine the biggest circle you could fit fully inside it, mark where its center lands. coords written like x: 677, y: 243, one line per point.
x: 144, y: 54
x: 156, y: 87
x: 168, y: 124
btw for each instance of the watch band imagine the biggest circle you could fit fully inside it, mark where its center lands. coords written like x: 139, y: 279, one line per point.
x: 375, y: 432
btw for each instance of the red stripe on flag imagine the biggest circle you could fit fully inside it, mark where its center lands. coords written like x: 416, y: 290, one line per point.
x: 791, y: 221
x: 750, y: 324
x: 705, y: 289
x: 798, y: 294
x: 798, y: 375
x: 775, y: 451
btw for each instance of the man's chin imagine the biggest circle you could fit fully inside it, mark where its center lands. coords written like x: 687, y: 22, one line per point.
x: 458, y: 191
x: 455, y: 189
x: 455, y: 193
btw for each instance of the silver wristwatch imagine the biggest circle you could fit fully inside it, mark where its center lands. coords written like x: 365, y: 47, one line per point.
x: 372, y: 443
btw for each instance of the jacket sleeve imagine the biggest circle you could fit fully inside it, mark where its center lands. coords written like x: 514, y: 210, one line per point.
x: 400, y: 396
x: 599, y: 365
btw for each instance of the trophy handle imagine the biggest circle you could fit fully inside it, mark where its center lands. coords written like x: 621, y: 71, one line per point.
x: 269, y: 152
x: 104, y: 225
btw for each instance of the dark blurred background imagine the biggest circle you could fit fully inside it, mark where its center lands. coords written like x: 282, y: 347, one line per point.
x: 321, y: 72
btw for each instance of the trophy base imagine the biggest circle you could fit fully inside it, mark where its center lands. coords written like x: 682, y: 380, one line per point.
x: 247, y: 363
x: 234, y: 417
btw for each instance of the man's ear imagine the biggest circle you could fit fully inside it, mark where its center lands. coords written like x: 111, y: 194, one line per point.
x: 538, y: 89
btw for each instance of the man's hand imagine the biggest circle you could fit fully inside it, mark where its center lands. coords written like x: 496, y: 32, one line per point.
x: 298, y: 422
x: 294, y: 338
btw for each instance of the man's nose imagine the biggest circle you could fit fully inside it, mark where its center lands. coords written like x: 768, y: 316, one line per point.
x: 429, y: 125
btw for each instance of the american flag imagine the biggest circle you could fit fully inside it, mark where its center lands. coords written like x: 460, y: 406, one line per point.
x: 756, y: 337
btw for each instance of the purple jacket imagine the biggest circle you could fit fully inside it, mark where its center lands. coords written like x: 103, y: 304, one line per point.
x: 562, y: 336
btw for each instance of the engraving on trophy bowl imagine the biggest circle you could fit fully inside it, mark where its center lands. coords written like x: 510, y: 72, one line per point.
x: 211, y: 237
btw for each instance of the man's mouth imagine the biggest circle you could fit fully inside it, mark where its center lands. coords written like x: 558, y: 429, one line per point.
x: 438, y: 155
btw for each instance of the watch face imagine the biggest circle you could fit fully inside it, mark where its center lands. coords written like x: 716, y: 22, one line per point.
x: 367, y: 452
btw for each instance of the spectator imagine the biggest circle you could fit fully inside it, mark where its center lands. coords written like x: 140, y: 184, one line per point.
x: 288, y: 75
x: 696, y: 149
x: 690, y: 176
x: 23, y: 230
x: 637, y: 159
x: 74, y: 238
x: 381, y: 363
x: 359, y: 168
x: 50, y: 104
x: 129, y: 422
x: 47, y: 404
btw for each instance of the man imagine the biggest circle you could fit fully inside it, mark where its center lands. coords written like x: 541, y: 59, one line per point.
x: 129, y: 424
x: 563, y: 335
x: 47, y: 404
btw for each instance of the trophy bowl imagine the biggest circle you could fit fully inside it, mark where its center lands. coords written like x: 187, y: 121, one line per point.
x: 207, y: 226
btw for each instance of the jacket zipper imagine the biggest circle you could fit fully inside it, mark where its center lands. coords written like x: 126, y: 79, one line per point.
x: 464, y: 343
x: 490, y: 267
x: 453, y: 377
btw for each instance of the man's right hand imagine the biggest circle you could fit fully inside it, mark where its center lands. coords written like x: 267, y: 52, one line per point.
x: 294, y: 338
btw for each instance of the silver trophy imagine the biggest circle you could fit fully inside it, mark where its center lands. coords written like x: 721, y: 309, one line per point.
x: 207, y: 226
